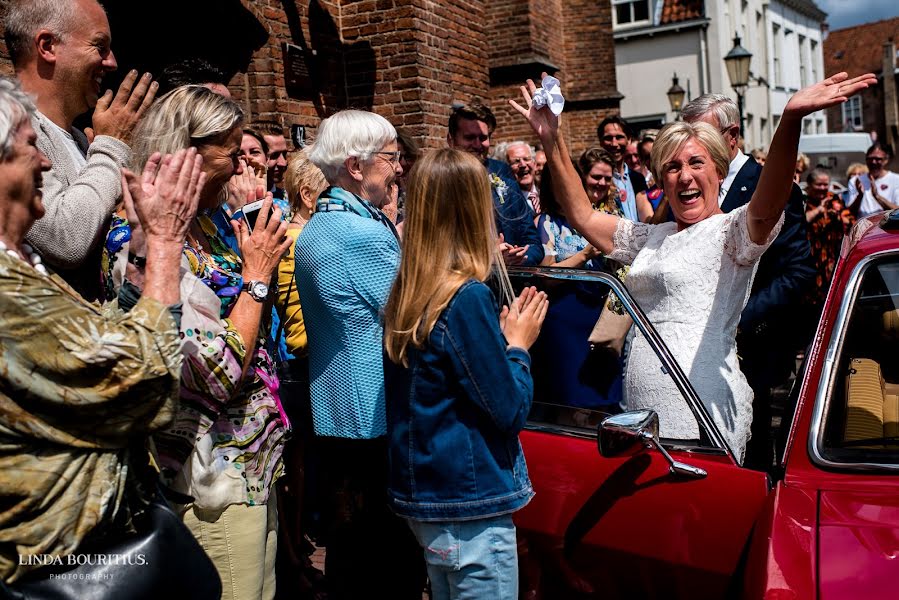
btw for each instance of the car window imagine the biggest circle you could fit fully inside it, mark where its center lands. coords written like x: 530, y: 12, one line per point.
x: 861, y: 414
x: 576, y: 383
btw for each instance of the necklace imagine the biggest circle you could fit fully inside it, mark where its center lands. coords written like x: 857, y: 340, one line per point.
x: 31, y: 257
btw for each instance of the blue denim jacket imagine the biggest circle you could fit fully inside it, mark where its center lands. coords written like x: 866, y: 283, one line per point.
x: 454, y: 414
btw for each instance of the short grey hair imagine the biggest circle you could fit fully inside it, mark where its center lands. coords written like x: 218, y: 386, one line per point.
x: 24, y: 18
x: 502, y: 150
x: 358, y: 133
x: 16, y: 108
x: 720, y: 106
x: 187, y: 116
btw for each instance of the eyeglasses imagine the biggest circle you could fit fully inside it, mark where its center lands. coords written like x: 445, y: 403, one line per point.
x: 519, y: 161
x: 877, y: 158
x: 395, y: 156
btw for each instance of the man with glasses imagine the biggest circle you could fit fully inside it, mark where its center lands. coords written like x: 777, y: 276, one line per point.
x: 879, y: 189
x: 774, y: 324
x: 470, y: 128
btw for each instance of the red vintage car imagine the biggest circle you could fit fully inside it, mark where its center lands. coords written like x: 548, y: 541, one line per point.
x: 620, y: 513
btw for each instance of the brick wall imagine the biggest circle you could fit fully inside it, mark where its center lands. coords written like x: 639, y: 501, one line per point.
x: 574, y: 36
x: 408, y: 60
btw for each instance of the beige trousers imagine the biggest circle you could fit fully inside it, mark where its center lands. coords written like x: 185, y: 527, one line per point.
x: 242, y: 542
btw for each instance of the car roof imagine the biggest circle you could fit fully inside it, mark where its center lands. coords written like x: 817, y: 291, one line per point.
x: 872, y: 234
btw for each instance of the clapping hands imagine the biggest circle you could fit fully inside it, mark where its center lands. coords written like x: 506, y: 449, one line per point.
x: 522, y: 321
x: 162, y: 203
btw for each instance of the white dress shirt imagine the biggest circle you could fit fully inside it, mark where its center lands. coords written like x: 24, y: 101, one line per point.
x: 735, y: 165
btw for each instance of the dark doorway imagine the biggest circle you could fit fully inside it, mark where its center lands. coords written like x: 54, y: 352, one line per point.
x: 150, y: 35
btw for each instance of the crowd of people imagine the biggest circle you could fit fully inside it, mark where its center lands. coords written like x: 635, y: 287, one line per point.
x: 325, y: 344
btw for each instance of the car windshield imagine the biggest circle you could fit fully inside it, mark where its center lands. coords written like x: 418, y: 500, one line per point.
x: 576, y: 383
x: 861, y: 414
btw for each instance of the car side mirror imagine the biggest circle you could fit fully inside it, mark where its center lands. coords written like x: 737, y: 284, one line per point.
x: 625, y: 434
x: 628, y: 433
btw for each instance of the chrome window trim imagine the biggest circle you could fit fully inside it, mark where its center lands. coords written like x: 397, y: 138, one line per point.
x: 587, y: 433
x: 669, y: 364
x: 828, y: 374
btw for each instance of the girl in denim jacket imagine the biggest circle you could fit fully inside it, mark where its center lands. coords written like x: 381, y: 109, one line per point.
x: 458, y: 383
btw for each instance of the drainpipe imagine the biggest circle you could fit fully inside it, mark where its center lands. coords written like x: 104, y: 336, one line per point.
x: 890, y: 99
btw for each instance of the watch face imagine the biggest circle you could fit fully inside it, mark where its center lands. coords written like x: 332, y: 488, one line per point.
x: 259, y: 289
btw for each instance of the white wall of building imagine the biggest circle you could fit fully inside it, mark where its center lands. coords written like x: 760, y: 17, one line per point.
x: 644, y: 68
x: 786, y: 48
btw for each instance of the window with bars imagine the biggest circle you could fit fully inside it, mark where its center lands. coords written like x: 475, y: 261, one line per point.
x: 775, y: 39
x: 803, y: 75
x: 630, y: 12
x: 852, y: 113
x: 814, y: 61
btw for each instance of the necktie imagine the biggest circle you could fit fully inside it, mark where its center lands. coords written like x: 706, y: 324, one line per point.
x: 534, y: 199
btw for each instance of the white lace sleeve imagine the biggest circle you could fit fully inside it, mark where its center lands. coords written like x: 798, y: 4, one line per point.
x: 738, y: 245
x: 628, y: 239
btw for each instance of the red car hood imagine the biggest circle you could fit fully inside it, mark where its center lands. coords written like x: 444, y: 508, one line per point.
x: 858, y: 549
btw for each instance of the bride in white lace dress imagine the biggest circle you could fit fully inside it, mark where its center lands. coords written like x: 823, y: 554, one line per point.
x: 692, y: 277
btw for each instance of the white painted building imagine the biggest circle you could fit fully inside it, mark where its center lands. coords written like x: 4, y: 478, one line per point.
x: 656, y: 39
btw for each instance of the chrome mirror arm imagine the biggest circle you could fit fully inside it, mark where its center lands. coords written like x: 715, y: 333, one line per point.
x: 676, y: 467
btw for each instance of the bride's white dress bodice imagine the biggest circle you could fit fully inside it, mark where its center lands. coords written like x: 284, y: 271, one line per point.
x: 693, y: 285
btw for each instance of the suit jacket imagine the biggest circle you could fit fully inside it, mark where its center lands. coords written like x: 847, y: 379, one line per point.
x: 514, y: 217
x: 773, y: 319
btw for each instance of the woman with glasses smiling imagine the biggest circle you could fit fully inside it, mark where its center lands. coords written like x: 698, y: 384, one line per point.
x: 879, y: 189
x: 347, y: 257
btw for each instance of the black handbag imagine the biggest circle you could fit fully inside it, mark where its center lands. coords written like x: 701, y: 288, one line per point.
x: 161, y: 560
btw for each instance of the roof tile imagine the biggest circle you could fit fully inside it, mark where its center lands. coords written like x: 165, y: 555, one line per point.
x: 675, y: 11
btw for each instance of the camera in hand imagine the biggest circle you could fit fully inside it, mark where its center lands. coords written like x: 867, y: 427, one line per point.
x: 251, y: 213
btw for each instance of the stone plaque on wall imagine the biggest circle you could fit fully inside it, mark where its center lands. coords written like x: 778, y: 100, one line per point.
x: 298, y: 69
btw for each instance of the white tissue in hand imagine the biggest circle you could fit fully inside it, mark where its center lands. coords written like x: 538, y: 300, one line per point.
x: 549, y: 95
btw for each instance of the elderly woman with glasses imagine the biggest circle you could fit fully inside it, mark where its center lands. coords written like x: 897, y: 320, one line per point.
x: 346, y: 259
x: 224, y: 447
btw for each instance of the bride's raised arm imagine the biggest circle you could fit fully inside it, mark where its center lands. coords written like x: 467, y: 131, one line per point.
x: 773, y: 190
x: 596, y: 226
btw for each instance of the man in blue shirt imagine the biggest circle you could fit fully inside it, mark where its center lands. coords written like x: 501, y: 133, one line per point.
x: 614, y: 136
x: 470, y: 128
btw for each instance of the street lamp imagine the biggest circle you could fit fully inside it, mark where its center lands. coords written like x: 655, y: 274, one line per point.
x: 737, y: 63
x: 675, y: 97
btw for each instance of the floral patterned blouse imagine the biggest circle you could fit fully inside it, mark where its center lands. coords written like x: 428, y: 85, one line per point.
x: 225, y: 444
x: 825, y: 236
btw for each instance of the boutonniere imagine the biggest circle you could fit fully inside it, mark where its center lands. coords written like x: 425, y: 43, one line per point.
x: 500, y: 186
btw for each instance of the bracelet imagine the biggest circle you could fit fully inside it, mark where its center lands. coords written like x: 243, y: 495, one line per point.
x: 138, y: 261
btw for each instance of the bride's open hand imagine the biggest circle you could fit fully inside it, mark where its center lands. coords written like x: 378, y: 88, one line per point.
x: 542, y: 120
x: 830, y: 92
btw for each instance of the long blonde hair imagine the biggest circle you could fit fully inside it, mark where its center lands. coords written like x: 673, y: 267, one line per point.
x: 449, y: 237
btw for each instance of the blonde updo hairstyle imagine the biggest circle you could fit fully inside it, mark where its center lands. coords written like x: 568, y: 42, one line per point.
x: 190, y: 115
x: 302, y: 173
x: 672, y: 138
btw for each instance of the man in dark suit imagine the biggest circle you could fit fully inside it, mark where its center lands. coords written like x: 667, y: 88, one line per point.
x: 773, y: 326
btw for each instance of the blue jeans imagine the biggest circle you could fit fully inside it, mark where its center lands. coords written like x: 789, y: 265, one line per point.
x: 470, y: 560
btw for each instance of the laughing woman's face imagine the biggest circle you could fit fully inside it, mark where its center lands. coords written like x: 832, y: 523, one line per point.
x: 691, y: 183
